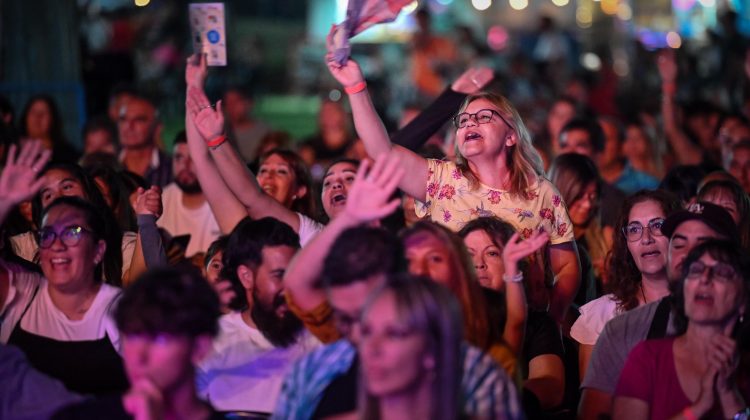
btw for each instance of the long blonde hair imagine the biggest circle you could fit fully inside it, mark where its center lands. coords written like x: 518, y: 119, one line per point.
x: 523, y: 161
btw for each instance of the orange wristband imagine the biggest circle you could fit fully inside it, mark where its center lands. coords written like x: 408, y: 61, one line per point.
x: 359, y: 87
x: 217, y: 141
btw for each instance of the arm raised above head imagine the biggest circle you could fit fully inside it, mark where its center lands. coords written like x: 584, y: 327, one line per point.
x: 371, y: 130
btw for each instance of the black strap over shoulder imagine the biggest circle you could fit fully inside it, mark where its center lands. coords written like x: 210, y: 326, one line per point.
x: 658, y: 328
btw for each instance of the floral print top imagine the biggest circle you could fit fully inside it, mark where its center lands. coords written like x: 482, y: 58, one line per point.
x: 452, y: 202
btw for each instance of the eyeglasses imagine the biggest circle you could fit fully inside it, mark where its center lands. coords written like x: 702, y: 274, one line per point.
x: 634, y: 231
x: 70, y: 236
x: 483, y: 116
x: 721, y: 272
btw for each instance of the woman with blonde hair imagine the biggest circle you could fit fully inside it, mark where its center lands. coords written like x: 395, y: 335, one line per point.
x: 497, y: 172
x: 410, y: 352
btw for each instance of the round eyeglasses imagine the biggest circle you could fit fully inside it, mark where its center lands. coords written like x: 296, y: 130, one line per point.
x: 634, y: 231
x: 69, y: 236
x: 483, y: 116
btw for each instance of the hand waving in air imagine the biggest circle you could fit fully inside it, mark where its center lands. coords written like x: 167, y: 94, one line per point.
x: 18, y: 181
x: 208, y: 121
x: 667, y: 66
x: 515, y: 250
x: 370, y: 195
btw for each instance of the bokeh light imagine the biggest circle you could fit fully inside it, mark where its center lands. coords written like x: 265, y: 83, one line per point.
x: 481, y: 4
x: 624, y: 11
x: 142, y: 3
x: 584, y: 16
x: 683, y: 5
x: 591, y: 61
x: 560, y: 3
x: 519, y: 4
x: 497, y: 38
x: 674, y: 40
x: 609, y: 6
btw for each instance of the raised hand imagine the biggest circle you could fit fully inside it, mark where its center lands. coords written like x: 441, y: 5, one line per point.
x: 667, y: 66
x: 370, y: 195
x: 208, y: 121
x: 196, y: 70
x: 515, y: 250
x: 348, y: 75
x: 473, y: 80
x: 18, y: 181
x: 148, y: 202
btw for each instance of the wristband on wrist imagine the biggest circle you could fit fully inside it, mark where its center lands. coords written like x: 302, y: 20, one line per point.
x: 688, y: 413
x: 359, y: 87
x: 514, y: 279
x: 216, y: 142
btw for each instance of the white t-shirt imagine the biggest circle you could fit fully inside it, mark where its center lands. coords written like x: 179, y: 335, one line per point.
x: 25, y: 246
x: 245, y: 371
x: 45, y: 319
x: 594, y: 315
x: 308, y: 228
x: 199, y: 223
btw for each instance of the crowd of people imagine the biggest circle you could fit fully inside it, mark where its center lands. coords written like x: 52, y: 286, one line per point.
x: 592, y: 270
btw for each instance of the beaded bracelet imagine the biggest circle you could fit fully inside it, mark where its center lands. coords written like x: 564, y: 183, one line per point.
x: 217, y: 141
x: 359, y: 87
x: 514, y: 279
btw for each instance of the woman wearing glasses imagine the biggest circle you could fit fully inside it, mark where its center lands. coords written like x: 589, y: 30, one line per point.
x: 702, y: 373
x: 497, y: 172
x: 638, y: 267
x: 60, y: 318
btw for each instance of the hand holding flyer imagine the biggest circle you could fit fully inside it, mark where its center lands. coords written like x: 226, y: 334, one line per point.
x: 208, y: 32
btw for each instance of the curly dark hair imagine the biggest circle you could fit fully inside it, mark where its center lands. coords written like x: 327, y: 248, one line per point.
x: 625, y: 278
x: 171, y: 300
x: 721, y: 250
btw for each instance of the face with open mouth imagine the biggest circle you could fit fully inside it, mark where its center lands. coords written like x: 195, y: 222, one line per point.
x: 69, y: 266
x: 276, y: 178
x: 650, y: 251
x: 713, y: 291
x: 477, y: 138
x: 336, y: 183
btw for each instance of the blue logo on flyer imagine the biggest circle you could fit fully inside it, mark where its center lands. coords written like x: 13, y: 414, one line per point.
x: 212, y: 36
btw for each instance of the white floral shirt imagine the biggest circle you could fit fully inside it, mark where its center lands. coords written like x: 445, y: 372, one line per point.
x: 452, y: 202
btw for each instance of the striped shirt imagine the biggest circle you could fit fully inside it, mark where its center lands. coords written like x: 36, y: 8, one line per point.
x: 487, y: 391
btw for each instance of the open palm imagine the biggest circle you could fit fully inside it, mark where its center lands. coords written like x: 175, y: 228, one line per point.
x: 370, y: 195
x: 515, y: 250
x: 18, y: 181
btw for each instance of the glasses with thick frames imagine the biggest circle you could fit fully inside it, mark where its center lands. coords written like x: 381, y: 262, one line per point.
x: 483, y: 116
x: 721, y: 272
x: 70, y: 236
x: 634, y: 231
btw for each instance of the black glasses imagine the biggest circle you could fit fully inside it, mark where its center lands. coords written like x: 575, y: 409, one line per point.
x: 70, y: 236
x: 721, y: 272
x: 634, y: 231
x: 483, y: 116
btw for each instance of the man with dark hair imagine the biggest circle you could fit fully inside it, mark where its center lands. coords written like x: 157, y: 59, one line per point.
x: 257, y: 345
x: 685, y: 230
x: 186, y: 210
x: 139, y: 128
x: 245, y: 130
x: 586, y: 137
x: 329, y: 284
x: 167, y: 319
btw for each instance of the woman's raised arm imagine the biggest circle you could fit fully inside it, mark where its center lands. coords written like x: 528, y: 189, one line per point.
x: 372, y: 132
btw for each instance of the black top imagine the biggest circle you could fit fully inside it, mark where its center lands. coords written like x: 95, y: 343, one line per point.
x: 340, y: 396
x: 542, y: 337
x: 414, y: 135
